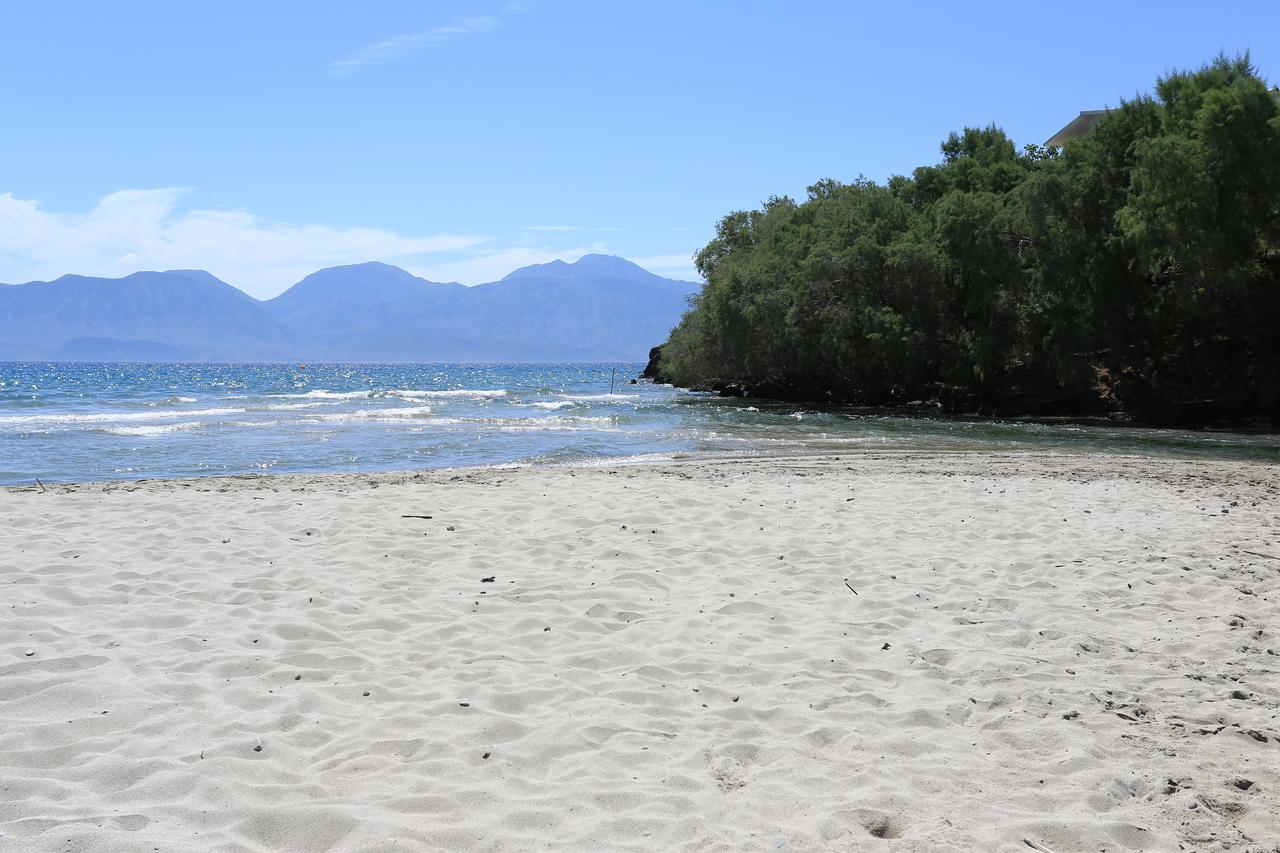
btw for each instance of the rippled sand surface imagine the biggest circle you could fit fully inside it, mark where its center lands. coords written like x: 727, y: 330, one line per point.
x: 893, y: 652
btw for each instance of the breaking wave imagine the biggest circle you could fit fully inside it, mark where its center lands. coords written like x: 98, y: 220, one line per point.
x: 152, y: 429
x: 404, y: 393
x: 111, y: 417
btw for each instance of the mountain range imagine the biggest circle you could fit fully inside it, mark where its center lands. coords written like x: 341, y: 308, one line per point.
x: 600, y: 308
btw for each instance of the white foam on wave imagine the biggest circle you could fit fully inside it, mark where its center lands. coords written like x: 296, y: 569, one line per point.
x: 112, y: 417
x: 291, y: 407
x: 330, y: 395
x: 558, y: 423
x: 552, y: 405
x: 403, y: 393
x: 152, y: 429
x: 590, y: 397
x: 611, y: 461
x: 480, y: 393
x: 395, y: 413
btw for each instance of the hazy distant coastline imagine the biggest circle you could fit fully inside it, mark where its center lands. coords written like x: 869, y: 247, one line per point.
x: 600, y: 308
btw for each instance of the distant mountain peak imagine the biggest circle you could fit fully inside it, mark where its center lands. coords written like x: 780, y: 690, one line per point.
x: 367, y: 268
x: 600, y: 259
x: 598, y: 308
x: 371, y: 280
x: 370, y: 266
x: 603, y: 266
x: 197, y: 275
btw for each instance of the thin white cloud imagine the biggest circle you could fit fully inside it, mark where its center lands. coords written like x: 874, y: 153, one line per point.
x: 135, y: 230
x: 401, y: 45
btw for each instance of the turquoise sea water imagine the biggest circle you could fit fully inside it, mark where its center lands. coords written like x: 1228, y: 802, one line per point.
x: 77, y: 422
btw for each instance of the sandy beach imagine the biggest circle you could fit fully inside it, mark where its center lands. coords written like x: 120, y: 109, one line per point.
x: 910, y: 652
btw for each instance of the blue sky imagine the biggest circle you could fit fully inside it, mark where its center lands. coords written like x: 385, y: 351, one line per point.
x: 460, y: 140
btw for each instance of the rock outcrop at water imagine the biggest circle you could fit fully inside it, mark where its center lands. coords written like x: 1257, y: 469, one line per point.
x: 654, y: 365
x: 1025, y: 394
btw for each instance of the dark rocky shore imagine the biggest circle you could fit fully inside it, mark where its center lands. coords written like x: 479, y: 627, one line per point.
x: 1024, y: 396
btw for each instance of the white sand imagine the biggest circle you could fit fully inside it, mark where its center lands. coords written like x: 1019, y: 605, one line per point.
x: 1041, y: 652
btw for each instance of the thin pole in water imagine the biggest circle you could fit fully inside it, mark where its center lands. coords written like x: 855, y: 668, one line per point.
x: 612, y: 373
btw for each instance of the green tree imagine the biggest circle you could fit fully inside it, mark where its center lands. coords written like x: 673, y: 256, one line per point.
x: 1139, y: 267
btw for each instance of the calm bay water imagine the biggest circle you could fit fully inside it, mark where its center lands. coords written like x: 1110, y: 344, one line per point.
x: 65, y: 422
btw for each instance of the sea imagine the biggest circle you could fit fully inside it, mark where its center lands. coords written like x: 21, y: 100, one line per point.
x: 65, y: 422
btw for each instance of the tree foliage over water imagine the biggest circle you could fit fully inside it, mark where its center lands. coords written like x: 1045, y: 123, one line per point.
x: 1137, y: 268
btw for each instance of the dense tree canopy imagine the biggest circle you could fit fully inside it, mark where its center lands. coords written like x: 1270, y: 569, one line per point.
x: 1138, y: 268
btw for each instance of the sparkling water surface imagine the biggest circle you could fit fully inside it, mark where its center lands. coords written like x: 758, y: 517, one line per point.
x: 80, y: 422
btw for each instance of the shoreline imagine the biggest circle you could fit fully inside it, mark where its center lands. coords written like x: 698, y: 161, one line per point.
x: 897, y: 651
x: 711, y: 458
x: 934, y: 410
